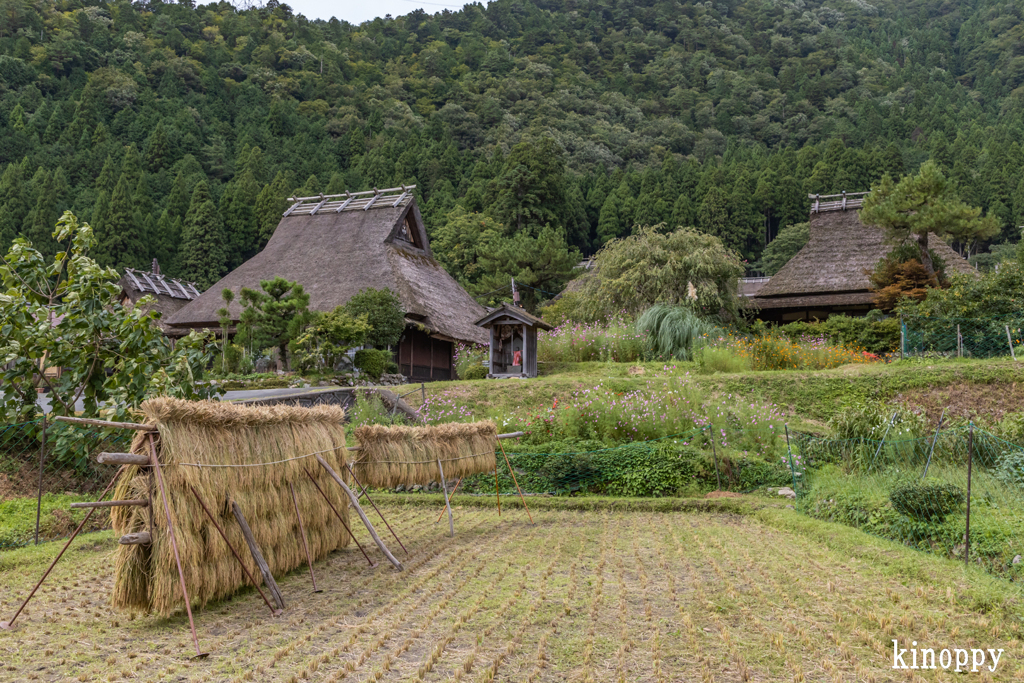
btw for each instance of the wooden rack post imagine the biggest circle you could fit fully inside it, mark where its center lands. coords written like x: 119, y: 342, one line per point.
x: 257, y: 556
x: 362, y: 515
x: 305, y: 541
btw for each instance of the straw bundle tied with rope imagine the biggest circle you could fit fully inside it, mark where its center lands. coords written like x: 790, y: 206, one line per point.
x: 247, y: 454
x: 393, y: 456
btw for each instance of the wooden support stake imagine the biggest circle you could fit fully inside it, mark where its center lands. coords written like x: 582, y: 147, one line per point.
x: 268, y: 578
x: 447, y: 503
x: 362, y: 515
x: 340, y: 519
x: 140, y: 503
x: 174, y: 544
x: 138, y: 538
x: 7, y: 625
x: 245, y: 570
x: 305, y: 541
x: 106, y: 424
x: 457, y: 484
x: 521, y: 496
x: 497, y: 492
x: 123, y: 459
x: 364, y: 492
x: 1009, y: 340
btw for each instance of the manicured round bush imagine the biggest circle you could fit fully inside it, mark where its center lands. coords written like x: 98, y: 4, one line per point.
x: 927, y: 502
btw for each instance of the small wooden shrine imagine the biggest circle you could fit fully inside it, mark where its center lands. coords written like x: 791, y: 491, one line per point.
x: 513, y: 347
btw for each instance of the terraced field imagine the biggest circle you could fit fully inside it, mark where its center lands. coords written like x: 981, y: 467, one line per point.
x: 579, y: 596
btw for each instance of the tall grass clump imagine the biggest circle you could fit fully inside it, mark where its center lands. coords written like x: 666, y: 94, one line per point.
x: 671, y: 332
x: 615, y: 340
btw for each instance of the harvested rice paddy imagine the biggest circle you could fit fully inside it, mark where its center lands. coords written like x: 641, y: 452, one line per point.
x: 580, y: 596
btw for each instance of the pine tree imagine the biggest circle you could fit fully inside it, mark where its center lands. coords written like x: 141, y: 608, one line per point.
x: 270, y: 204
x: 108, y: 177
x: 238, y: 208
x: 119, y: 237
x: 713, y: 217
x: 13, y: 205
x: 158, y: 152
x: 40, y: 221
x: 609, y: 225
x: 683, y: 214
x: 202, y: 256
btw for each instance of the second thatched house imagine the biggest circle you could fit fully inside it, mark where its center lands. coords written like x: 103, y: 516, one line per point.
x: 335, y: 246
x: 169, y: 295
x: 830, y: 274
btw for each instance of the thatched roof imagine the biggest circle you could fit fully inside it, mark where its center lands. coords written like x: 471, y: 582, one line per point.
x: 335, y: 250
x: 170, y: 294
x: 831, y: 269
x: 516, y: 313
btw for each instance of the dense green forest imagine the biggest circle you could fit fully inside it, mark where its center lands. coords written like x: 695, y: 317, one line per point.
x: 533, y: 129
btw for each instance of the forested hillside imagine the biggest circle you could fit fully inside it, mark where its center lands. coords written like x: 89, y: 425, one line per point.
x: 532, y: 128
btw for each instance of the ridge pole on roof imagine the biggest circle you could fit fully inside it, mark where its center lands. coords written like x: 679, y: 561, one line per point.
x: 374, y: 198
x: 323, y: 200
x: 405, y: 193
x: 347, y: 201
x: 291, y: 208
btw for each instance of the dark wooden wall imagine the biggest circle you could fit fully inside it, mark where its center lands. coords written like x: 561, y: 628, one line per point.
x: 421, y: 357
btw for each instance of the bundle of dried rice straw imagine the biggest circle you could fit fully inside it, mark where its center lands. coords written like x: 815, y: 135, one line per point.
x: 393, y: 456
x: 267, y: 448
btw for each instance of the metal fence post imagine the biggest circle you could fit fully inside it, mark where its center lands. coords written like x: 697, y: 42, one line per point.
x: 1009, y: 340
x: 967, y: 530
x: 959, y: 342
x: 39, y: 494
x: 789, y: 450
x: 714, y: 454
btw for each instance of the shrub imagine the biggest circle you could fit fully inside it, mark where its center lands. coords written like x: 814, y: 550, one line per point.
x: 474, y: 372
x: 372, y: 361
x: 468, y: 356
x: 383, y: 311
x: 671, y: 331
x: 927, y: 502
x: 1010, y: 467
x: 868, y: 420
x: 369, y: 409
x: 871, y: 333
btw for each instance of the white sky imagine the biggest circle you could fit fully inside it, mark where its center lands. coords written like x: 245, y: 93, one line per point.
x: 358, y: 11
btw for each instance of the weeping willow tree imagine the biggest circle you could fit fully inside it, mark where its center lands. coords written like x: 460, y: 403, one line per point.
x: 656, y: 267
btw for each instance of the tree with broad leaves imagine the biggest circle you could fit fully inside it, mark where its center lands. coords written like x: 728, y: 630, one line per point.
x: 924, y: 204
x: 66, y: 314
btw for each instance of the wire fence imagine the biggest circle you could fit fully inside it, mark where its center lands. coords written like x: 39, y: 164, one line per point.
x: 68, y: 465
x: 925, y: 492
x: 962, y: 337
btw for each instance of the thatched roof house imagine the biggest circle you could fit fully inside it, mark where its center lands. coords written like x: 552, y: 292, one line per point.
x: 829, y: 275
x: 336, y: 246
x: 171, y: 295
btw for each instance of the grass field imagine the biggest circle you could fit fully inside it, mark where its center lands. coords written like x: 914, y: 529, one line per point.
x: 582, y: 595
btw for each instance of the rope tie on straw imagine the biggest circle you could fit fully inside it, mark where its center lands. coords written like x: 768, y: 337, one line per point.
x: 423, y: 462
x: 257, y: 464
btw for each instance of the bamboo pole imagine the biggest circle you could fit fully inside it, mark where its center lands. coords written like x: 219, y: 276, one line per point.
x: 245, y: 570
x: 362, y: 515
x: 1009, y: 340
x: 340, y: 519
x: 138, y: 538
x: 106, y: 424
x: 521, y: 496
x: 257, y: 555
x: 453, y: 495
x: 111, y: 504
x: 363, y: 491
x: 174, y: 544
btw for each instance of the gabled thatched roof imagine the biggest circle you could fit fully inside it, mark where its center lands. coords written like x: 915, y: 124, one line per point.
x: 170, y: 294
x: 334, y: 254
x: 832, y: 264
x: 516, y: 313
